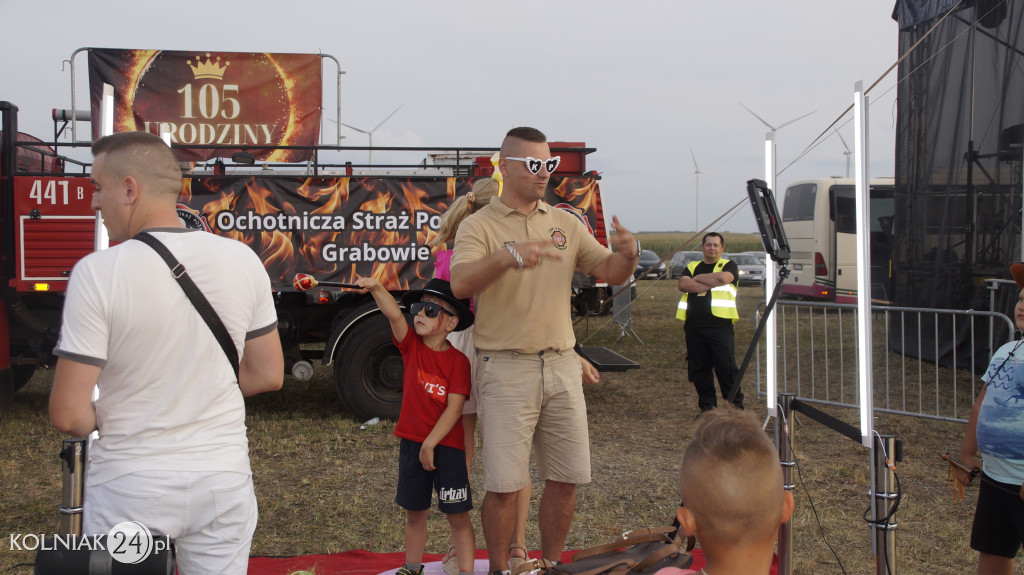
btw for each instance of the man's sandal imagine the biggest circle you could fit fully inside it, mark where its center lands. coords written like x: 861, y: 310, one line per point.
x: 513, y: 560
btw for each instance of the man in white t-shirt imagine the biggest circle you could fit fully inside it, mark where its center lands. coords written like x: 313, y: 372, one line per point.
x: 171, y: 451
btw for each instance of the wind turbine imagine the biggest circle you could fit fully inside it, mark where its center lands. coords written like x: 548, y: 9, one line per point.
x: 774, y: 129
x: 370, y: 132
x: 847, y: 153
x: 780, y: 126
x: 696, y: 173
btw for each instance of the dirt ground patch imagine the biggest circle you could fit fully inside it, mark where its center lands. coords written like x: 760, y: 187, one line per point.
x: 325, y: 485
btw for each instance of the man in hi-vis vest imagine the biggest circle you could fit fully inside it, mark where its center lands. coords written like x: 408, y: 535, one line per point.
x: 708, y: 307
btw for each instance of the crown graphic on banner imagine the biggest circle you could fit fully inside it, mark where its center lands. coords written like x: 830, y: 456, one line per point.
x: 209, y: 69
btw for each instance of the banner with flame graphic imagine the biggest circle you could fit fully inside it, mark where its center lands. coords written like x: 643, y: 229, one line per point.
x: 338, y: 229
x: 220, y: 98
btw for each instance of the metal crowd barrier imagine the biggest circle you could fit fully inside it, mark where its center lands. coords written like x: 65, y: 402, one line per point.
x: 927, y: 362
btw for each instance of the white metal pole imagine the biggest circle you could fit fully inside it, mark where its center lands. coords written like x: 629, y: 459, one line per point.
x: 106, y: 121
x: 770, y: 271
x: 74, y: 107
x: 102, y: 240
x: 783, y: 418
x: 165, y: 133
x: 107, y: 111
x: 340, y: 72
x: 864, y: 355
x: 864, y: 359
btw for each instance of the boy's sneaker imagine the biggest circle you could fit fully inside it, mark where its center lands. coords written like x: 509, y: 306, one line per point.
x: 406, y: 571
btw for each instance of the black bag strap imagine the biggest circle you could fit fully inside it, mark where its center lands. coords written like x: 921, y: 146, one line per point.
x: 197, y: 298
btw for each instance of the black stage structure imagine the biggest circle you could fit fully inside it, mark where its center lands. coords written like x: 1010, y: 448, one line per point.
x: 960, y: 124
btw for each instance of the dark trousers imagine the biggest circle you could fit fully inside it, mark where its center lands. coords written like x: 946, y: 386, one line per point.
x: 712, y: 349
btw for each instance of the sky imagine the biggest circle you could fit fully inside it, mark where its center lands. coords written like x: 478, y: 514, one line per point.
x: 644, y: 82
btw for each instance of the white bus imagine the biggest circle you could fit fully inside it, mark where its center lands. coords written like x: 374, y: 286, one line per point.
x: 820, y: 220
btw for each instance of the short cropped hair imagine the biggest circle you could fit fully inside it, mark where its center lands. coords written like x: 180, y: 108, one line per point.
x: 731, y: 479
x: 528, y: 134
x: 143, y: 156
x: 704, y: 240
x: 511, y: 145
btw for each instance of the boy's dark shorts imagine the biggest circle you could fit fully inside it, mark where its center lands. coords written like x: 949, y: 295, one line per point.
x: 999, y: 520
x: 416, y: 485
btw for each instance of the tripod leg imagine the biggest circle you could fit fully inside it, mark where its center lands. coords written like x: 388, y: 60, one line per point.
x: 783, y: 274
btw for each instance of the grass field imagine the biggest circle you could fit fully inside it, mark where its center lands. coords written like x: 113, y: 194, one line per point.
x: 325, y: 485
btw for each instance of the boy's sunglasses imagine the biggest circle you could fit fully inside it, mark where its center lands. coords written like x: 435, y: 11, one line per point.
x: 534, y: 164
x: 429, y: 308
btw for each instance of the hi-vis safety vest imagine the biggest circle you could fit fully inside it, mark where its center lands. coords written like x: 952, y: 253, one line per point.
x: 723, y: 298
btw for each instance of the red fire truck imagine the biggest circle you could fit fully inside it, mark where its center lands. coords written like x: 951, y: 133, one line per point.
x: 331, y: 221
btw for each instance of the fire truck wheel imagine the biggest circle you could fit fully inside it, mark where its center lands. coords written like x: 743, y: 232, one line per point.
x: 368, y: 370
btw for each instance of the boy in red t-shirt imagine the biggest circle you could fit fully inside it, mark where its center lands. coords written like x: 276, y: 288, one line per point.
x: 435, y: 386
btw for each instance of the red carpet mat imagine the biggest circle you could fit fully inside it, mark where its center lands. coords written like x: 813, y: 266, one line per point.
x: 366, y: 563
x: 357, y: 562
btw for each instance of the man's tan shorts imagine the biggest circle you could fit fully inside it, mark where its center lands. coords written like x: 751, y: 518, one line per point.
x: 532, y: 398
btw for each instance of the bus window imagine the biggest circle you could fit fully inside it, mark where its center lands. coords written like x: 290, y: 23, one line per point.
x: 882, y: 208
x: 799, y: 203
x: 846, y: 214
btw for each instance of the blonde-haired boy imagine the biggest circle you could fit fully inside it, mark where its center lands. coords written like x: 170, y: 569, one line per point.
x: 733, y: 497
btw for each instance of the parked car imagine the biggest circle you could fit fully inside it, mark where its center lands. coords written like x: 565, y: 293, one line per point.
x: 679, y: 262
x: 649, y: 266
x: 750, y: 267
x: 759, y: 255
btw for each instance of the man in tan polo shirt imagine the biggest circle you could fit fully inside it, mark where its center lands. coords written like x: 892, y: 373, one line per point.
x: 516, y: 258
